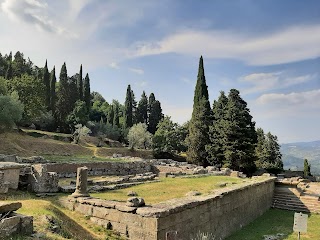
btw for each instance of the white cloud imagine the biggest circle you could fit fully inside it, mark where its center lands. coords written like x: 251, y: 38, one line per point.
x: 289, y: 45
x: 261, y: 82
x: 114, y: 65
x: 293, y: 100
x: 137, y: 70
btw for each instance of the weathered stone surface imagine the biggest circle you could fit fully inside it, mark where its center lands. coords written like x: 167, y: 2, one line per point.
x: 123, y: 208
x: 4, y: 186
x: 16, y: 224
x: 8, y: 207
x: 234, y: 174
x: 43, y: 181
x: 81, y: 185
x: 132, y: 194
x: 193, y: 193
x: 135, y: 202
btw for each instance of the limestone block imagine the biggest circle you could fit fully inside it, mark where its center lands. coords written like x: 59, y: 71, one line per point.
x: 9, y: 226
x: 8, y: 207
x: 83, y: 208
x: 26, y: 227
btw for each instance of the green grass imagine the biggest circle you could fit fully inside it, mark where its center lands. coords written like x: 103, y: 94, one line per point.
x: 169, y: 188
x: 277, y: 221
x: 79, y: 158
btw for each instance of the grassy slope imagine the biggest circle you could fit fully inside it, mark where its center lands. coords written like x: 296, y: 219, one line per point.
x: 22, y: 144
x: 169, y: 188
x: 277, y: 221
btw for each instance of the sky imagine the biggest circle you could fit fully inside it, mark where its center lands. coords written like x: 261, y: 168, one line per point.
x: 268, y: 49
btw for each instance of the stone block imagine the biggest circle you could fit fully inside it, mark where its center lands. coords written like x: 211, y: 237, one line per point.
x: 83, y: 208
x: 9, y: 207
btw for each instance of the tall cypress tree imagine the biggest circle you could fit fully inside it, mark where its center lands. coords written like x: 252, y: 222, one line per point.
x: 155, y: 114
x: 46, y: 83
x: 53, y: 89
x: 9, y: 72
x: 62, y: 107
x: 110, y: 115
x: 128, y: 109
x: 142, y: 109
x: 80, y: 84
x: 116, y: 115
x: 86, y: 92
x: 200, y: 121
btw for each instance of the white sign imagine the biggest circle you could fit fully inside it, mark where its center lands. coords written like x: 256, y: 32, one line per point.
x: 300, y: 222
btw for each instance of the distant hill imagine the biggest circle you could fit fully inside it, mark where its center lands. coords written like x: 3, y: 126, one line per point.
x: 293, y: 155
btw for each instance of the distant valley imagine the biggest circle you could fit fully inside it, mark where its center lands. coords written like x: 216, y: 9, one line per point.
x: 293, y: 155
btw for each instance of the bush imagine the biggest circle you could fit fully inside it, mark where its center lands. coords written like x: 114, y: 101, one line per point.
x: 104, y: 130
x: 139, y: 137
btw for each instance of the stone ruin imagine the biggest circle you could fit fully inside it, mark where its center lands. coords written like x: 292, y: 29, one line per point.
x: 42, y: 181
x: 12, y: 223
x: 9, y: 176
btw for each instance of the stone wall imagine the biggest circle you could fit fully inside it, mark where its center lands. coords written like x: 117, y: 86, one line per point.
x: 221, y: 213
x: 10, y: 175
x: 100, y: 168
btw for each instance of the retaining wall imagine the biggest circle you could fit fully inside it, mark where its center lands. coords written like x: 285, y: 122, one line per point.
x: 100, y: 168
x: 221, y: 213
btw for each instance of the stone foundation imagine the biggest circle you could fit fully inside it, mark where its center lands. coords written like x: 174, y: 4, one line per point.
x: 221, y: 213
x: 16, y: 224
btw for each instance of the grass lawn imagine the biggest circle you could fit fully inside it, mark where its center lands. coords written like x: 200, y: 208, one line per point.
x: 278, y: 221
x: 169, y: 188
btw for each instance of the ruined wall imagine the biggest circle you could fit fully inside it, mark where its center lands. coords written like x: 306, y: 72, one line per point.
x: 220, y: 213
x: 100, y: 168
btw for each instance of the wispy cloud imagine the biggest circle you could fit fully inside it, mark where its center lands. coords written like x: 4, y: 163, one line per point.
x: 33, y: 12
x: 137, y: 70
x: 114, y: 65
x: 288, y: 45
x: 261, y: 82
x: 293, y: 99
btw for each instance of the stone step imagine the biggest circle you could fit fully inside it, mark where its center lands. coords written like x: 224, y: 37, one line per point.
x: 296, y: 209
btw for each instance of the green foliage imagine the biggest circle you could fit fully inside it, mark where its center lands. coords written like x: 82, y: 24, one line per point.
x: 128, y: 105
x: 86, y: 92
x: 306, y: 168
x: 79, y: 114
x: 31, y: 95
x: 155, y: 114
x: 268, y: 152
x: 200, y: 121
x: 10, y: 112
x: 3, y: 86
x: 44, y: 121
x: 169, y: 137
x: 216, y: 147
x: 240, y: 135
x: 53, y: 81
x: 46, y: 84
x: 142, y: 109
x: 139, y: 137
x: 80, y: 84
x: 105, y: 130
x: 80, y: 131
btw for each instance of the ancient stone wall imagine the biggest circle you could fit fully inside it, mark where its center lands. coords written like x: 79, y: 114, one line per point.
x: 100, y: 168
x: 221, y: 213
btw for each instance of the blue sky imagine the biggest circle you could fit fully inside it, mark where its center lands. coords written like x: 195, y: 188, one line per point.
x: 268, y: 49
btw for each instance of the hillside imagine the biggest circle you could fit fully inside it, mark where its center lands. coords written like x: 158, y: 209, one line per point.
x: 54, y: 146
x: 295, y: 153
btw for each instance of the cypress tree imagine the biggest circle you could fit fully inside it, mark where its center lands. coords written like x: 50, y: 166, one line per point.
x: 86, y: 92
x: 46, y: 83
x: 200, y: 121
x: 116, y: 116
x: 110, y: 116
x: 63, y: 108
x: 9, y: 72
x: 80, y: 84
x: 128, y: 109
x: 142, y: 109
x: 155, y: 114
x: 53, y: 89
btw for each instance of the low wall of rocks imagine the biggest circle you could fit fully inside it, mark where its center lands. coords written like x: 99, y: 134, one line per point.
x: 221, y: 213
x: 101, y: 168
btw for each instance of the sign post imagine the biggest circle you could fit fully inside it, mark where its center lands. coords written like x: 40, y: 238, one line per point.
x: 300, y: 223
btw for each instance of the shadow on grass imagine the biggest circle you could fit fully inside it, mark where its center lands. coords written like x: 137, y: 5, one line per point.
x: 272, y: 222
x: 70, y: 227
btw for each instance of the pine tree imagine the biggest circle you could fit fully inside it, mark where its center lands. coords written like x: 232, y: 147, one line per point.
x: 128, y: 109
x: 80, y: 84
x: 142, y: 109
x: 9, y: 72
x: 46, y: 83
x: 86, y: 92
x: 53, y: 89
x: 200, y: 121
x: 215, y: 149
x: 240, y: 135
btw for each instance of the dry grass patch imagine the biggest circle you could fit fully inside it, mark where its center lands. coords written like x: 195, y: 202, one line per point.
x: 169, y: 188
